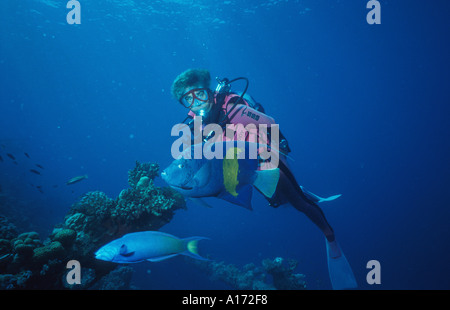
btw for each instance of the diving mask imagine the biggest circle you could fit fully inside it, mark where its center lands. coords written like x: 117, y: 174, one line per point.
x: 195, y: 97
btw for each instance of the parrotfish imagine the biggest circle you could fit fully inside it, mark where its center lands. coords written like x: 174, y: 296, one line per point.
x: 230, y: 177
x: 153, y: 246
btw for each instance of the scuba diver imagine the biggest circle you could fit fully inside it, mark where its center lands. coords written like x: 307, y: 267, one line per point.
x: 192, y: 89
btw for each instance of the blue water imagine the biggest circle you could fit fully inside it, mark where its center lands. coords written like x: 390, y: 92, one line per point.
x: 365, y: 109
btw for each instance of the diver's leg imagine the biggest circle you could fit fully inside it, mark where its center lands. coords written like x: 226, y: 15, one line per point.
x: 292, y: 193
x: 288, y: 191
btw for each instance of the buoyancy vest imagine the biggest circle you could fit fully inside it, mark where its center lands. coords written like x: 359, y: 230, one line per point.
x: 236, y: 121
x: 239, y: 115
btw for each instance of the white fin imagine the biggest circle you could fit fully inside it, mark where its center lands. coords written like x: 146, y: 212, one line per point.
x: 316, y: 198
x: 266, y: 181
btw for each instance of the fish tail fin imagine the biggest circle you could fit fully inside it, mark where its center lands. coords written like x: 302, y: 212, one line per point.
x: 192, y: 248
x: 341, y: 274
x: 266, y: 181
x: 316, y: 198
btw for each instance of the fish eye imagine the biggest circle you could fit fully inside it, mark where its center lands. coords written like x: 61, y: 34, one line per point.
x: 181, y: 166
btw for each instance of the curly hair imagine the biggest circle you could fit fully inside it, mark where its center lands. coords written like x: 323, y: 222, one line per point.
x: 190, y: 77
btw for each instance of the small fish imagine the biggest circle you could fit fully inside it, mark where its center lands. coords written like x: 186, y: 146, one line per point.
x: 11, y: 156
x: 26, y: 154
x: 5, y: 256
x: 39, y: 166
x: 1, y: 159
x: 77, y: 179
x: 153, y: 246
x: 35, y: 171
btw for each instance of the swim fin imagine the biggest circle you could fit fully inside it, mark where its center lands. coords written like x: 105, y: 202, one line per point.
x: 341, y: 274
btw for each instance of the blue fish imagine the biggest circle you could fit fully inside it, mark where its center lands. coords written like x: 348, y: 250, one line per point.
x: 230, y: 177
x: 153, y: 246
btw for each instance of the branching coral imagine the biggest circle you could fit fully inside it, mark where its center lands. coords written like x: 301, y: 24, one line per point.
x: 149, y: 170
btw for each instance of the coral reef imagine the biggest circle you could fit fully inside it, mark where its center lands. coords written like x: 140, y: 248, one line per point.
x: 118, y: 279
x: 283, y: 274
x: 7, y: 229
x: 25, y: 244
x: 251, y: 277
x: 65, y: 236
x: 53, y: 250
x: 28, y: 263
x: 98, y: 219
x: 149, y: 170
